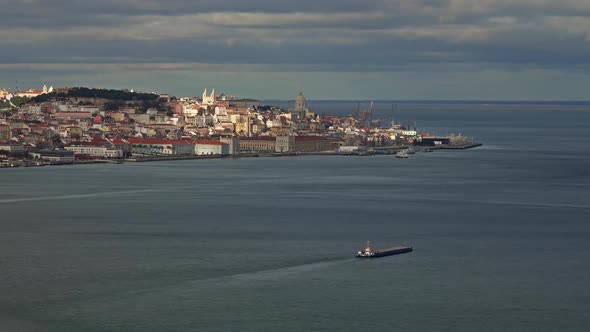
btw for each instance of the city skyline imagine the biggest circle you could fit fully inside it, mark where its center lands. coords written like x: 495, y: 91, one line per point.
x: 387, y: 50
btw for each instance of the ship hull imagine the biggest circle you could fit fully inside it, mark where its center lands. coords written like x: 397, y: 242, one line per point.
x: 382, y: 253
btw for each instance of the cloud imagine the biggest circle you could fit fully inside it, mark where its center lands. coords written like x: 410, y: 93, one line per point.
x: 286, y: 35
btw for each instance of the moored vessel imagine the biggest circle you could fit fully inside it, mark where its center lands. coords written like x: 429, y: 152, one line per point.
x: 402, y: 154
x: 369, y: 252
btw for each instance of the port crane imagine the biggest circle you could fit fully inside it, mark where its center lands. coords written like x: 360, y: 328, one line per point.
x: 355, y: 115
x: 367, y: 116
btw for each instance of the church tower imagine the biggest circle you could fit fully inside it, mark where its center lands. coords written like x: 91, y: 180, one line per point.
x: 298, y: 113
x: 300, y: 102
x: 209, y: 99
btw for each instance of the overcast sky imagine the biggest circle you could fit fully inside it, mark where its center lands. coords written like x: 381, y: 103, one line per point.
x: 340, y: 49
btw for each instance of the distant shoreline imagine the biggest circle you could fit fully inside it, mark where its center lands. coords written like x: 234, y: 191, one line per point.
x: 382, y: 151
x: 450, y: 101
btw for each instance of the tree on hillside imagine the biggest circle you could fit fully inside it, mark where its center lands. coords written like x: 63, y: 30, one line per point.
x: 83, y: 92
x: 19, y: 101
x: 113, y: 105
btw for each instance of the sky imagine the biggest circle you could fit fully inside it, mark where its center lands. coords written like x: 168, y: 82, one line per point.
x: 329, y: 49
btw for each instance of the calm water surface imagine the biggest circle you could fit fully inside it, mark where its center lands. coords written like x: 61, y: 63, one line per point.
x: 501, y: 236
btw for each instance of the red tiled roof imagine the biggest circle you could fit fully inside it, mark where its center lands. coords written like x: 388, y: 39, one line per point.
x: 309, y: 138
x: 65, y: 114
x: 83, y: 143
x: 209, y: 142
x: 259, y: 138
x: 98, y: 139
x: 119, y: 141
x: 135, y: 140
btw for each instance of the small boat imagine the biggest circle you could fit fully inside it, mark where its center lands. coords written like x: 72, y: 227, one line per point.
x: 402, y: 154
x: 369, y: 252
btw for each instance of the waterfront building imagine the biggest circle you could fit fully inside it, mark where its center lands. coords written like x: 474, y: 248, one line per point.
x: 211, y: 147
x: 59, y: 156
x: 258, y: 144
x: 12, y: 148
x: 122, y: 145
x: 233, y: 142
x: 84, y: 150
x: 351, y: 148
x: 428, y: 140
x: 312, y: 144
x: 98, y: 147
x: 285, y: 143
x: 160, y: 146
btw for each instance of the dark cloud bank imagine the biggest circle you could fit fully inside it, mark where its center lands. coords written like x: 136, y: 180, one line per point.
x: 53, y: 38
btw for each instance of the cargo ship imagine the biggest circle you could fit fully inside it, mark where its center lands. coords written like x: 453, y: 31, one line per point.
x: 369, y: 252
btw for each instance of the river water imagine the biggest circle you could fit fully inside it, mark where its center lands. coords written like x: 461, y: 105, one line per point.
x: 501, y: 237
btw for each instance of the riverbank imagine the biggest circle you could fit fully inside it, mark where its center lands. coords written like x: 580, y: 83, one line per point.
x: 139, y: 159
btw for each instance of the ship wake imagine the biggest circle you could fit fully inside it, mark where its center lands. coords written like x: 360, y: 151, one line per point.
x: 276, y: 273
x: 77, y: 196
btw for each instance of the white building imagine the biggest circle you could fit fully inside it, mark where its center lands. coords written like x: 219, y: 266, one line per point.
x: 190, y: 110
x: 208, y: 99
x: 14, y: 148
x: 409, y: 133
x: 4, y: 93
x: 160, y: 146
x: 31, y: 93
x: 211, y: 147
x: 60, y: 156
x: 33, y: 109
x: 95, y: 151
